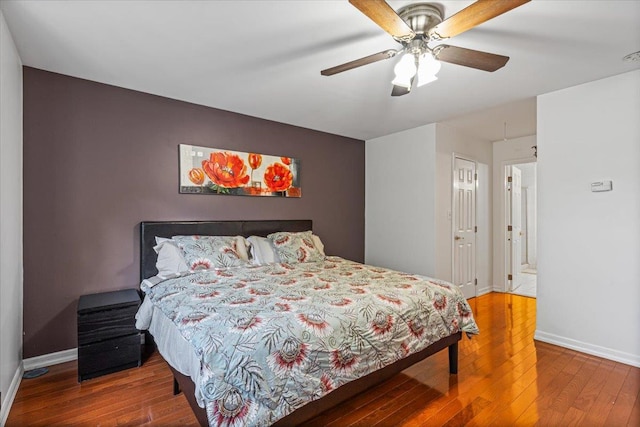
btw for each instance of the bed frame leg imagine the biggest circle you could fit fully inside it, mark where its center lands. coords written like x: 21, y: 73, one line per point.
x: 176, y: 387
x: 453, y: 358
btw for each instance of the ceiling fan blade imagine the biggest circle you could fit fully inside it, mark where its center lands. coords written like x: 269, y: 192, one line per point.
x: 475, y: 14
x: 382, y: 14
x: 385, y: 54
x: 469, y: 57
x: 401, y: 90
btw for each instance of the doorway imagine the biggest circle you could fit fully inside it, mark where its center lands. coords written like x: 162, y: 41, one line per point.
x: 520, y: 217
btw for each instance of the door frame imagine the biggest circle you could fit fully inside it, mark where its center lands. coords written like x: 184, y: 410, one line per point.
x: 455, y: 156
x: 505, y: 214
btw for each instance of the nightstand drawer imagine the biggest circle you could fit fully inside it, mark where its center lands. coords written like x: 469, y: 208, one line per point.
x: 103, y: 325
x: 108, y: 356
x: 108, y: 340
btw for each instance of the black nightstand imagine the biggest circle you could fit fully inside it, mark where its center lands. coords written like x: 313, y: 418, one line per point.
x: 108, y: 340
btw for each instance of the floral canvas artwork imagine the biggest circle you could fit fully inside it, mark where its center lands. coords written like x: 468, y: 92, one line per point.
x: 206, y: 170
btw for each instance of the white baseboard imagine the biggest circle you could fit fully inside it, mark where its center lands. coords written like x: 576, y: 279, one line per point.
x: 50, y: 359
x: 11, y: 394
x: 583, y: 347
x: 484, y: 290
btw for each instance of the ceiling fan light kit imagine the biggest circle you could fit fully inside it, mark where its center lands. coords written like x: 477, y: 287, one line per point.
x: 405, y: 69
x: 416, y: 26
x: 428, y: 70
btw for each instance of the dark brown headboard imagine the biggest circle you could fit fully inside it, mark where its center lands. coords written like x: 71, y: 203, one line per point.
x: 149, y: 230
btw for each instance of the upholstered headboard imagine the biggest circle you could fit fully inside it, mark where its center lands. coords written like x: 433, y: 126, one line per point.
x: 149, y: 230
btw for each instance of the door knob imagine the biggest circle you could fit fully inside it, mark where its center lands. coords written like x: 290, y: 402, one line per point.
x: 457, y: 238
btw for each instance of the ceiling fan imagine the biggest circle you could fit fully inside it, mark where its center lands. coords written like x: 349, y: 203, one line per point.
x: 416, y: 26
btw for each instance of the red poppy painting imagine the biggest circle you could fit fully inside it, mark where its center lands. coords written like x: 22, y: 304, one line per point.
x: 226, y: 170
x: 255, y: 160
x: 278, y: 177
x: 206, y: 170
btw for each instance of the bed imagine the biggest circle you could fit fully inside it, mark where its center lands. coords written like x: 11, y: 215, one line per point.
x: 279, y: 343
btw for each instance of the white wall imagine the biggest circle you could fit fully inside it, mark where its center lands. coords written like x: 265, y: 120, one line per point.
x: 511, y: 151
x: 589, y: 243
x: 408, y: 200
x: 484, y: 241
x: 399, y: 201
x: 528, y: 176
x: 450, y: 141
x: 10, y: 218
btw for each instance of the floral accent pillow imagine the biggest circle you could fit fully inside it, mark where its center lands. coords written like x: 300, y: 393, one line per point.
x: 205, y: 252
x: 170, y: 260
x: 295, y: 247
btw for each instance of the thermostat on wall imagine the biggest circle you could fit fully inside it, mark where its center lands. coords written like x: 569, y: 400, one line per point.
x: 601, y: 186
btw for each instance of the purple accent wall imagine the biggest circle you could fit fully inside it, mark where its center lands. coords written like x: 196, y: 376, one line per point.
x: 99, y: 159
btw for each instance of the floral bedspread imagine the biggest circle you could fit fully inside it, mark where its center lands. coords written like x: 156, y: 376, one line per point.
x: 272, y: 338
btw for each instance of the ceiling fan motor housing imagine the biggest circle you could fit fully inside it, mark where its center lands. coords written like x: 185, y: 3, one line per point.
x: 421, y: 17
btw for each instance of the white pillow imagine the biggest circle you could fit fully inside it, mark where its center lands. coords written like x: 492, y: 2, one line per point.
x: 170, y: 260
x: 262, y: 251
x: 243, y: 248
x: 318, y: 243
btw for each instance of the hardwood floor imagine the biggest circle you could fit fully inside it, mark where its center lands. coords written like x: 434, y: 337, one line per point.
x: 504, y: 379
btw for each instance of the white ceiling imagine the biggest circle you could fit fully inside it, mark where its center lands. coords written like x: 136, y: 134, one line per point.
x: 263, y: 58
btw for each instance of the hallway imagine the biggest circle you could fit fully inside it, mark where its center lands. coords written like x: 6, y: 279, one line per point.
x: 527, y: 285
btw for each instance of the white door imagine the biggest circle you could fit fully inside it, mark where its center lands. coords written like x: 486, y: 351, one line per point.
x: 515, y: 221
x: 464, y: 226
